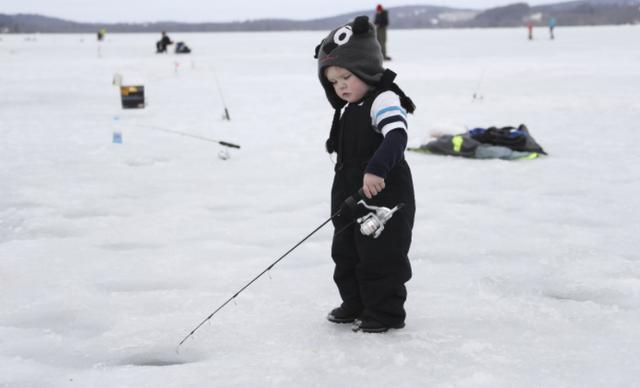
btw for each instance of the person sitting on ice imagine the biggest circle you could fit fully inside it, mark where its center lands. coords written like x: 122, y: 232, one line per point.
x: 161, y: 45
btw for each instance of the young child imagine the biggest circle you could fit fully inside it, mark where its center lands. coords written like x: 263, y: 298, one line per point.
x: 369, y: 137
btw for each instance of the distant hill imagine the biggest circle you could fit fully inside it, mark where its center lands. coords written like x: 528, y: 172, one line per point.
x: 583, y: 12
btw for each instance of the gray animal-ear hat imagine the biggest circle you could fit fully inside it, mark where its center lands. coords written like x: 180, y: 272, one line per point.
x: 354, y: 47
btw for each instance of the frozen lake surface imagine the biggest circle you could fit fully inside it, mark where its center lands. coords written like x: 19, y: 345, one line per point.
x: 526, y: 274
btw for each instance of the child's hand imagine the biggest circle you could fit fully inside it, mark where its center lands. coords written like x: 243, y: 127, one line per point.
x: 372, y: 185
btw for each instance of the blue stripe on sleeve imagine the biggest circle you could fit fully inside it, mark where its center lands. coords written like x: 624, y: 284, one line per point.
x: 390, y: 108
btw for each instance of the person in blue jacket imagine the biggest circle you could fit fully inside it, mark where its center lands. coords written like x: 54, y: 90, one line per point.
x: 552, y: 26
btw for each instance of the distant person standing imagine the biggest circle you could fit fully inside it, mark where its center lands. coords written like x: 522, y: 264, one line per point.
x: 552, y: 25
x: 382, y: 22
x: 101, y: 33
x: 530, y: 27
x: 161, y: 45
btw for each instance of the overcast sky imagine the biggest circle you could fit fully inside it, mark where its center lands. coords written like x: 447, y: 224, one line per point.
x: 215, y: 10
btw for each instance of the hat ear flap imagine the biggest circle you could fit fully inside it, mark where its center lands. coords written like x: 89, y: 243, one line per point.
x: 317, y: 50
x: 361, y: 25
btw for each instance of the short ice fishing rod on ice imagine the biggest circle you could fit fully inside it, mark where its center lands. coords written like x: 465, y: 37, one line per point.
x: 222, y: 143
x: 371, y: 224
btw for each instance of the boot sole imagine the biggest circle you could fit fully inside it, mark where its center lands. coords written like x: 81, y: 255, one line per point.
x: 333, y: 319
x: 356, y: 329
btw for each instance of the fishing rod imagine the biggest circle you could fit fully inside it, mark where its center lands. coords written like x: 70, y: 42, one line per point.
x: 224, y: 104
x: 257, y: 277
x: 221, y: 142
x: 370, y: 225
x: 226, y: 115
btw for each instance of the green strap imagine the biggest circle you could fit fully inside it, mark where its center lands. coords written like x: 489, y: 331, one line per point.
x: 457, y: 141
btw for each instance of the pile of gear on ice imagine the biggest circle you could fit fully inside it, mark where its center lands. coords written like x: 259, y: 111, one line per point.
x: 508, y: 143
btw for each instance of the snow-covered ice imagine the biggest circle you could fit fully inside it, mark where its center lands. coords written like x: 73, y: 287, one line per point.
x: 526, y: 274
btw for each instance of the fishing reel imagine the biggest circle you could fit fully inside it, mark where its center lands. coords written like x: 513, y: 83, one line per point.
x: 373, y: 223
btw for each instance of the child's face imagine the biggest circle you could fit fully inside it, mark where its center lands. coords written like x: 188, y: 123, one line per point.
x: 346, y: 84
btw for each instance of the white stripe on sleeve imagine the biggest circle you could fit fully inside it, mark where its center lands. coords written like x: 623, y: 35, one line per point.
x: 387, y: 114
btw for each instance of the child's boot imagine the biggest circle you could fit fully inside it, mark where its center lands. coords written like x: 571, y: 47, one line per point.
x: 373, y: 326
x: 342, y: 315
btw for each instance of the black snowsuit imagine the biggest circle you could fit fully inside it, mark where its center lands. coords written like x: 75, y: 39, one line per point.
x: 370, y: 273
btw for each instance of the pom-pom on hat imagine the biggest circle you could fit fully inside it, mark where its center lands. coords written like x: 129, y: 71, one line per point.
x: 354, y: 47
